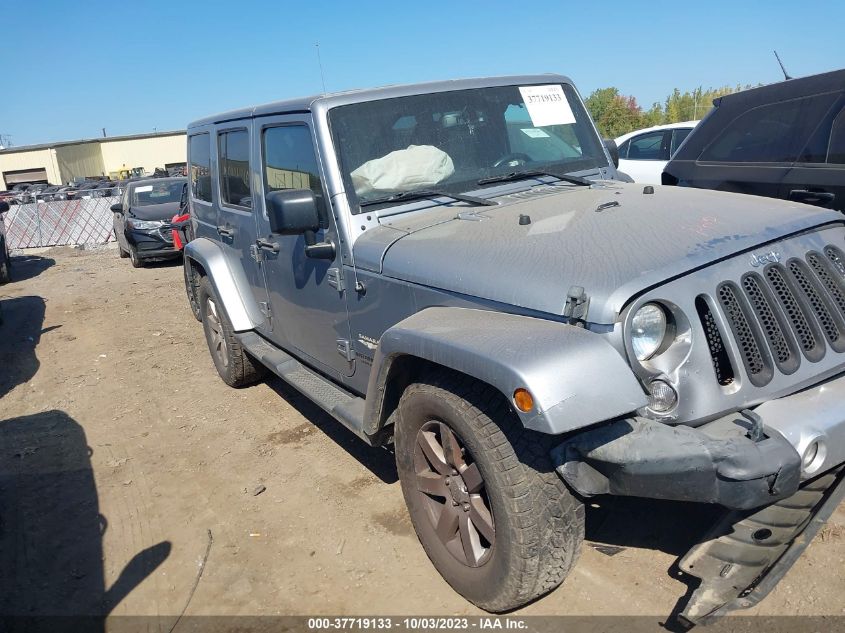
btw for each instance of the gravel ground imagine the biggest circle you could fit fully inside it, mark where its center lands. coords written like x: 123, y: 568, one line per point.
x: 128, y: 474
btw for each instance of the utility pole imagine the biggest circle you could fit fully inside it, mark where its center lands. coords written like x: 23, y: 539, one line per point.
x: 104, y: 132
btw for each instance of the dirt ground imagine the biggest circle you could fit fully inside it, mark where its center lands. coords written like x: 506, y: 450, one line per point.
x: 128, y: 472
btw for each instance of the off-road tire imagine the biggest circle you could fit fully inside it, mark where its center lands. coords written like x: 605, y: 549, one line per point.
x: 235, y: 366
x: 192, y: 281
x: 539, y: 524
x: 136, y: 261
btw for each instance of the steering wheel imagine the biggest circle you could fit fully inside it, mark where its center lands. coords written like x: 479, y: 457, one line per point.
x: 514, y: 159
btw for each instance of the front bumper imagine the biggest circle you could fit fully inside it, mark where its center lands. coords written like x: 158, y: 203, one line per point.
x: 153, y: 243
x: 741, y: 461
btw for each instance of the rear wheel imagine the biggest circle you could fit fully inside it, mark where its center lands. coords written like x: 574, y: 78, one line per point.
x: 192, y: 279
x: 489, y: 509
x: 235, y: 366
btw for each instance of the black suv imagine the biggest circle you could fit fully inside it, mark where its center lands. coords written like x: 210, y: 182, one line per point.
x: 785, y: 140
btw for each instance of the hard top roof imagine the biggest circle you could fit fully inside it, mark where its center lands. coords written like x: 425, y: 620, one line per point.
x: 812, y: 84
x: 306, y: 104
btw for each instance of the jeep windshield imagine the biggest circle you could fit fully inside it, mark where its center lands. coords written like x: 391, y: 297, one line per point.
x: 449, y: 141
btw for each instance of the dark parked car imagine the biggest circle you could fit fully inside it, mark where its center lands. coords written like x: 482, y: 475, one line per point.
x: 68, y: 192
x: 48, y: 194
x: 142, y: 218
x: 785, y: 140
x: 5, y: 260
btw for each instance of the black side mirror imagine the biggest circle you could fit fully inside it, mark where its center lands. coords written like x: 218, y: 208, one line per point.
x: 613, y: 150
x: 117, y: 207
x: 292, y: 211
x: 4, y: 206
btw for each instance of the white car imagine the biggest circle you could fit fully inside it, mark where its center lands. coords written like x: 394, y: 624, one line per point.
x: 644, y: 153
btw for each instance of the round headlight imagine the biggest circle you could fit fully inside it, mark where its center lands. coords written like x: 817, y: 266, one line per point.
x: 648, y: 329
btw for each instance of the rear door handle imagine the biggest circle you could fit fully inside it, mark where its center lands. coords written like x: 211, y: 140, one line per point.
x: 267, y: 245
x: 225, y: 231
x: 811, y: 197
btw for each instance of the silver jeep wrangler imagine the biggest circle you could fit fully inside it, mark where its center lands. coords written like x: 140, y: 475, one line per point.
x: 459, y: 269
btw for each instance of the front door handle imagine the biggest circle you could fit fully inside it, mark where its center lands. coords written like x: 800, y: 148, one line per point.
x: 225, y: 231
x: 267, y: 245
x: 811, y: 197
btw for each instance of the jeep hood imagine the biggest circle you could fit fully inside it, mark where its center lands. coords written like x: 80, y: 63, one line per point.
x: 612, y: 239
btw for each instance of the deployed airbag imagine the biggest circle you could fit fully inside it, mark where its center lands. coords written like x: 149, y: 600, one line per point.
x: 416, y: 167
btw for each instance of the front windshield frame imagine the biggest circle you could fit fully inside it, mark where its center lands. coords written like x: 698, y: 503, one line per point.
x: 592, y: 153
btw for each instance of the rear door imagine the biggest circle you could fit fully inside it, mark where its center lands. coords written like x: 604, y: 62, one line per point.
x: 646, y: 156
x: 236, y: 217
x: 756, y: 150
x: 818, y: 177
x: 307, y: 301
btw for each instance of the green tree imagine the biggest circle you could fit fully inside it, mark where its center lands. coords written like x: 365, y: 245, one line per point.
x: 614, y: 114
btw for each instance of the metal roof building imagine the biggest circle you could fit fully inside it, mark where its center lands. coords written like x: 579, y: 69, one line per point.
x: 62, y: 162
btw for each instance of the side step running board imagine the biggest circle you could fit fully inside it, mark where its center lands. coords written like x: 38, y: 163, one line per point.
x: 345, y: 407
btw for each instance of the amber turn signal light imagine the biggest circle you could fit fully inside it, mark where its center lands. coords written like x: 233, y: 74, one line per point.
x: 523, y: 400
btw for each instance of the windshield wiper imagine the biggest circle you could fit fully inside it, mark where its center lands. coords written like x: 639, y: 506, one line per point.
x: 532, y: 173
x: 428, y: 193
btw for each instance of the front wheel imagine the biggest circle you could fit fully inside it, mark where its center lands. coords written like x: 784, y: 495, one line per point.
x: 5, y: 264
x: 136, y: 261
x: 489, y: 509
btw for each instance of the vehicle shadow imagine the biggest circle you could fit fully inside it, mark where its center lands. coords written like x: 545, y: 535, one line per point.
x: 379, y: 461
x: 172, y: 262
x: 672, y: 527
x: 21, y: 320
x: 51, y: 530
x: 28, y: 266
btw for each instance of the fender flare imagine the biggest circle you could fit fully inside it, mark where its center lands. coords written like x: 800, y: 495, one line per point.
x: 576, y: 377
x: 229, y: 283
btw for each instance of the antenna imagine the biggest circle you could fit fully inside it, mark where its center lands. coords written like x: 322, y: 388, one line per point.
x: 785, y: 74
x: 320, y: 63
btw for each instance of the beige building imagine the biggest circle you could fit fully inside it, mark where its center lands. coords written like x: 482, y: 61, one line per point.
x: 63, y: 162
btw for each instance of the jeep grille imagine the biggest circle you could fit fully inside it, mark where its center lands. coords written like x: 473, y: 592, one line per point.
x: 792, y: 310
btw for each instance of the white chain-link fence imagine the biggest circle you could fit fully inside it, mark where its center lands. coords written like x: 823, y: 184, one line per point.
x: 42, y: 220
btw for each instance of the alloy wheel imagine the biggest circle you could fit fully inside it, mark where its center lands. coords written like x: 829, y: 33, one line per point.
x: 453, y: 493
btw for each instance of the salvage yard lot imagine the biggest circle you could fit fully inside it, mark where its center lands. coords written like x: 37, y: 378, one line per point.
x: 110, y: 405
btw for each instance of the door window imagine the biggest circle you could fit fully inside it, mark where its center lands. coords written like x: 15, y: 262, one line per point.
x: 650, y: 146
x: 199, y: 148
x: 291, y: 163
x: 827, y: 144
x: 836, y: 144
x: 233, y: 150
x: 678, y: 137
x: 772, y: 133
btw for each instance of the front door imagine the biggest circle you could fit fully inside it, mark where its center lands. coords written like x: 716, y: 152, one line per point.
x: 307, y: 304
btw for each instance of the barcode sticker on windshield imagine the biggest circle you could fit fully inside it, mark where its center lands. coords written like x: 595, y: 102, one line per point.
x: 144, y: 188
x: 547, y: 105
x: 533, y: 132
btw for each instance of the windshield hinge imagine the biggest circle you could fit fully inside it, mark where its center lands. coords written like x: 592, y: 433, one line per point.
x: 577, y: 304
x: 335, y: 279
x: 344, y: 348
x: 255, y: 252
x: 264, y: 306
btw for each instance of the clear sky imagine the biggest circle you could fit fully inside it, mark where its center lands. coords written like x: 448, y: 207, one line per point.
x: 72, y: 68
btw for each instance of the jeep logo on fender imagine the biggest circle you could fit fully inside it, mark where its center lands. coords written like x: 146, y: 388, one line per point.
x: 761, y: 259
